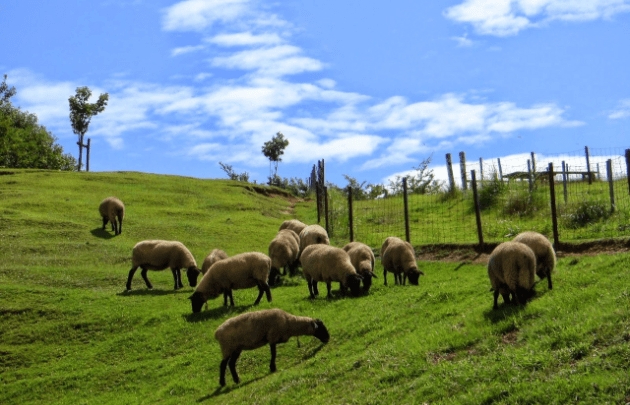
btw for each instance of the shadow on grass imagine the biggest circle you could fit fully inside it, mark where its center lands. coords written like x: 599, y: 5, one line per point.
x: 100, y: 233
x: 215, y: 313
x: 313, y: 352
x: 153, y: 292
x: 227, y: 389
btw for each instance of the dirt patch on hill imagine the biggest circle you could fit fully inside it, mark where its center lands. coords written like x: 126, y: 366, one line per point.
x: 479, y: 255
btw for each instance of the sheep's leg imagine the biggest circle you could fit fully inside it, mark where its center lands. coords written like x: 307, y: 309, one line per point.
x: 328, y: 287
x: 119, y: 226
x: 104, y: 222
x: 232, y: 364
x: 225, y: 298
x: 496, y: 298
x: 404, y: 278
x: 263, y: 288
x: 146, y: 279
x: 177, y: 278
x: 229, y: 294
x: 310, y: 288
x: 385, y: 276
x: 131, y: 273
x: 114, y: 227
x: 549, y: 281
x: 272, y: 365
x: 315, y: 289
x: 222, y: 368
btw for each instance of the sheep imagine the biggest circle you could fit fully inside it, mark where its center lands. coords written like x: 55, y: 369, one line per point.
x: 111, y: 209
x: 545, y: 255
x: 399, y: 258
x: 313, y: 234
x: 283, y: 252
x: 511, y: 268
x: 294, y: 225
x: 160, y: 254
x: 256, y: 329
x: 328, y: 263
x: 214, y: 256
x: 362, y: 259
x: 244, y: 270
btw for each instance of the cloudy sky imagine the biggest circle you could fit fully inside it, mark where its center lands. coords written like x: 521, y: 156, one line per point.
x: 372, y: 87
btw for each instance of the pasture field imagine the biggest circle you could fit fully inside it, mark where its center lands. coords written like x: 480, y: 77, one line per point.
x: 70, y: 334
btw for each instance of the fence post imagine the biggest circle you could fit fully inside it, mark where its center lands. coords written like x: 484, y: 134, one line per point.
x: 449, y: 169
x: 628, y: 168
x: 318, y: 199
x: 350, y: 214
x: 87, y: 157
x: 588, y: 166
x: 406, y: 207
x: 565, y: 169
x: 481, y: 171
x: 529, y: 175
x: 554, y: 214
x: 500, y: 170
x: 462, y: 167
x: 611, y: 185
x: 533, y: 162
x: 477, y: 209
x: 326, y: 208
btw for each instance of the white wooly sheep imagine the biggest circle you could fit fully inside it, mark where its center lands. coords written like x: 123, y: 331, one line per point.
x: 311, y: 235
x: 283, y: 252
x: 162, y: 254
x: 399, y: 257
x: 245, y: 270
x: 362, y: 258
x: 328, y: 263
x: 511, y: 269
x: 543, y: 249
x: 256, y: 329
x: 112, y: 210
x: 294, y: 225
x: 214, y: 256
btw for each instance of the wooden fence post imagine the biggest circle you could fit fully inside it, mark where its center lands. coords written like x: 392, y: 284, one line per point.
x: 628, y: 168
x: 565, y: 169
x: 554, y: 214
x: 462, y: 167
x: 533, y: 163
x: 500, y: 170
x: 449, y: 169
x: 350, y: 214
x: 406, y: 208
x: 326, y: 208
x: 481, y: 171
x: 529, y: 175
x: 477, y: 209
x: 318, y: 200
x: 611, y: 185
x: 588, y: 165
x: 87, y: 156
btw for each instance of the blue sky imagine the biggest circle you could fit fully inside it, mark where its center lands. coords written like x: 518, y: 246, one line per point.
x: 372, y: 87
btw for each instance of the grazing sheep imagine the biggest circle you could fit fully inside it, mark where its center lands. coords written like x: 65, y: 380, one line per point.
x: 214, y: 256
x: 545, y: 255
x: 111, y: 209
x: 244, y: 270
x: 294, y: 225
x: 399, y: 258
x: 328, y: 263
x: 511, y: 268
x: 362, y: 259
x: 256, y: 329
x: 311, y: 235
x: 160, y: 254
x: 283, y: 252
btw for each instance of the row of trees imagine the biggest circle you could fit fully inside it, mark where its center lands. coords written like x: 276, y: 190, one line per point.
x: 24, y: 143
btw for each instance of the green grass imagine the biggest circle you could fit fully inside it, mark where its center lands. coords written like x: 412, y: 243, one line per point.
x: 70, y: 335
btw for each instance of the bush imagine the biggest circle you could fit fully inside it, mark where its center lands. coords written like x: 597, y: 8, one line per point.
x: 490, y: 192
x: 586, y: 213
x: 525, y: 204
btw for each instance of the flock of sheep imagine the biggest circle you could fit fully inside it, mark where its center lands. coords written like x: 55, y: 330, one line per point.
x: 511, y: 269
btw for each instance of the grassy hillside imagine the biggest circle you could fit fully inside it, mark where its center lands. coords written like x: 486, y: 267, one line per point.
x: 69, y: 334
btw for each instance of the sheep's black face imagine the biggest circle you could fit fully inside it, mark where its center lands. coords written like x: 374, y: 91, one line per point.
x: 525, y: 295
x: 414, y: 276
x: 367, y: 282
x: 274, y: 277
x: 197, y: 300
x: 353, y: 282
x: 192, y: 273
x: 321, y: 332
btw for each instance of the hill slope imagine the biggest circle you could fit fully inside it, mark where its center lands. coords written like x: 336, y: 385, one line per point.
x: 70, y: 334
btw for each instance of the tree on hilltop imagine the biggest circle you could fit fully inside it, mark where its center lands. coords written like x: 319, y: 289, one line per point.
x: 81, y: 113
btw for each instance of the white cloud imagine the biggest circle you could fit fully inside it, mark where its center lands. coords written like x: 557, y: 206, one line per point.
x: 508, y: 17
x: 196, y: 15
x: 245, y: 39
x: 186, y: 49
x: 621, y: 111
x: 276, y: 61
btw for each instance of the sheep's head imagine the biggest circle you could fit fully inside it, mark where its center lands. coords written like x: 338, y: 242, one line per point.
x: 197, y: 300
x: 353, y: 282
x: 414, y: 275
x: 367, y: 279
x: 524, y: 294
x: 192, y: 273
x: 274, y: 276
x: 321, y: 332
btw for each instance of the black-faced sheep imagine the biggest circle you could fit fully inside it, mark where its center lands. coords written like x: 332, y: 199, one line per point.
x: 256, y: 329
x: 328, y: 263
x: 399, y: 257
x: 543, y: 249
x: 162, y: 254
x: 511, y: 268
x: 283, y: 252
x: 112, y: 210
x: 294, y: 225
x: 244, y: 270
x: 214, y: 256
x: 311, y: 235
x: 362, y: 259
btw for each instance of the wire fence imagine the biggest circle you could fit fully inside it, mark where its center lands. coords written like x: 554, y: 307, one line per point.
x: 586, y: 196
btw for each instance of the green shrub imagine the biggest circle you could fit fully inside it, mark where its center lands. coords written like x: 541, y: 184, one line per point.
x: 490, y: 192
x: 525, y: 204
x: 586, y: 213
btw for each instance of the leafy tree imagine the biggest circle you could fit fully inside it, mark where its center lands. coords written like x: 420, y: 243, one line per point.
x: 232, y: 174
x: 23, y: 142
x: 81, y: 113
x: 273, y: 149
x: 358, y: 190
x: 422, y: 182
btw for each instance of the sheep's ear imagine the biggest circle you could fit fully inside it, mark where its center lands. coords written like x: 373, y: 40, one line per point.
x: 372, y: 274
x: 191, y: 297
x: 315, y: 325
